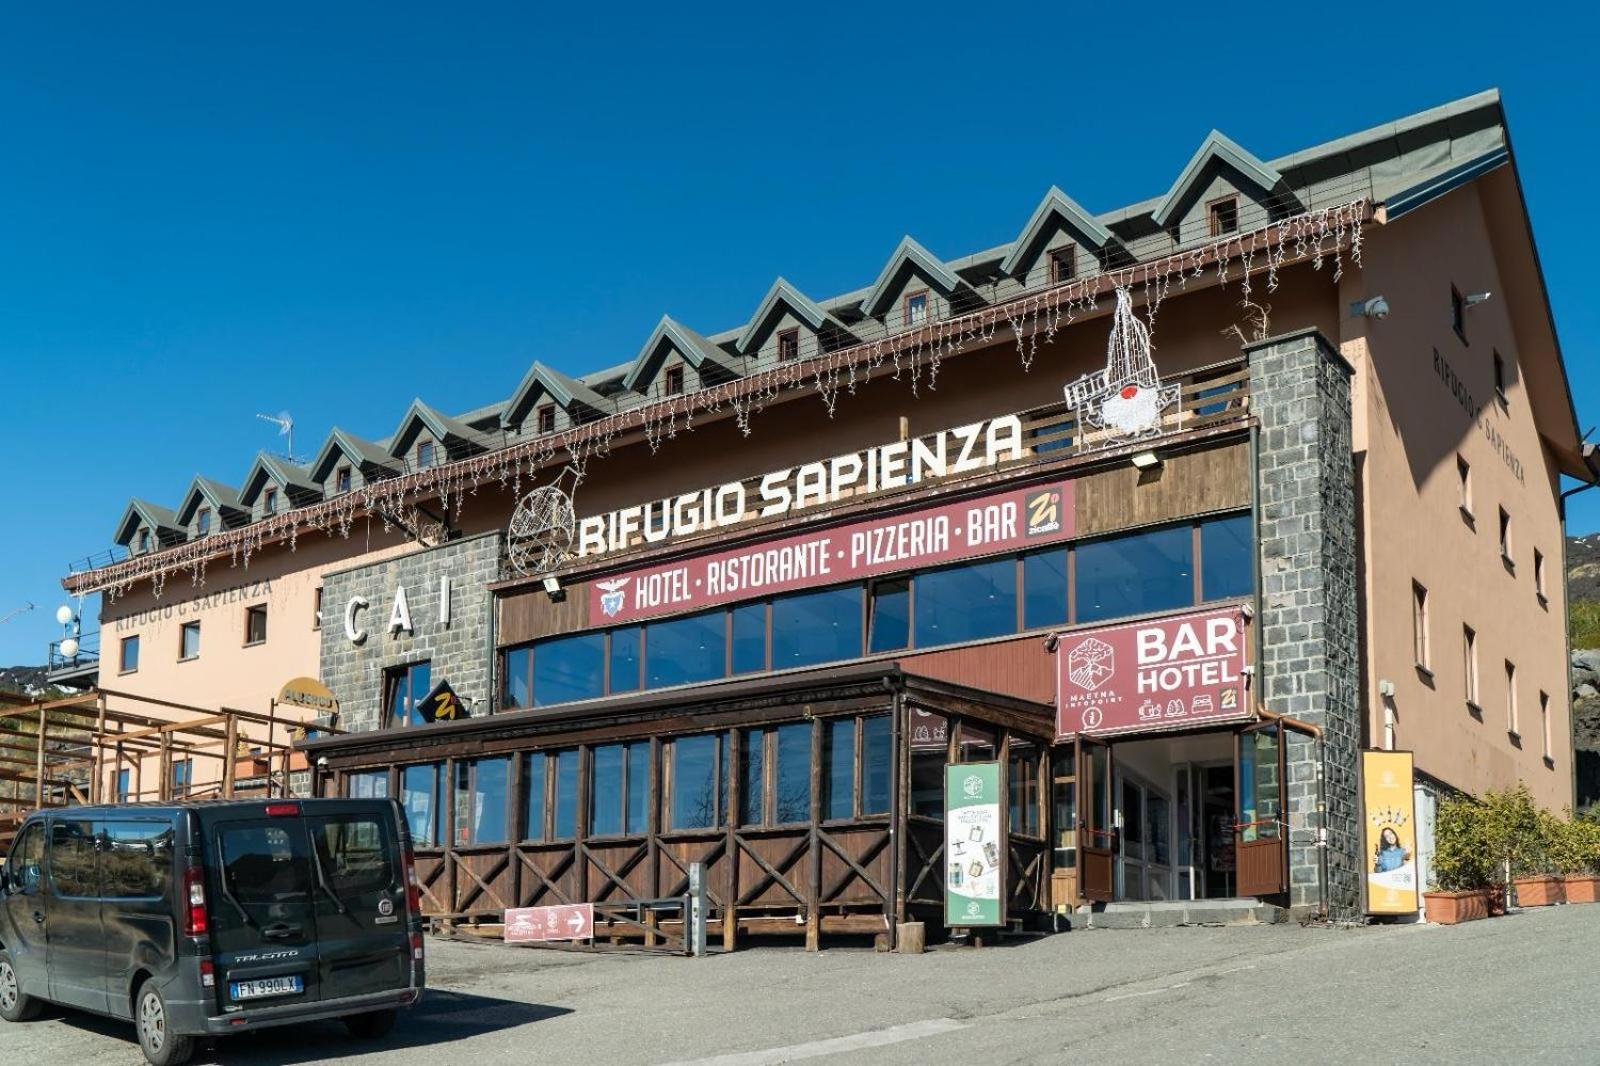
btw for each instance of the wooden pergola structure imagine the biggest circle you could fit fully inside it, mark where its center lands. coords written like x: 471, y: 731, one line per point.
x: 71, y: 748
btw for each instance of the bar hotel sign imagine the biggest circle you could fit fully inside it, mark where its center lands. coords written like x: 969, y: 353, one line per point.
x: 1157, y: 674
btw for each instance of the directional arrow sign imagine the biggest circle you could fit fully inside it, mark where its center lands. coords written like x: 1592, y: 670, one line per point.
x: 568, y: 921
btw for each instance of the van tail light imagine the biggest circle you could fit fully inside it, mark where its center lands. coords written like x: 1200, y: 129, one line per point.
x: 283, y: 810
x: 416, y: 946
x: 208, y: 974
x: 413, y: 888
x: 194, y: 892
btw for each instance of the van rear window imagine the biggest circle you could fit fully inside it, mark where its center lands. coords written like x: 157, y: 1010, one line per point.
x: 265, y: 863
x: 355, y: 855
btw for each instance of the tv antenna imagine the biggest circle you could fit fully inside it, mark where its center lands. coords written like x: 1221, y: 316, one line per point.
x: 285, y: 423
x: 8, y: 616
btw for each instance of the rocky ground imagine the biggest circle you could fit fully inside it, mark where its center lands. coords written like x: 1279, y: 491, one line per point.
x: 1586, y: 724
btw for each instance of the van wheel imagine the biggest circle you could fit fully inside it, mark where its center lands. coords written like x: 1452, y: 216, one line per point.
x: 161, y: 1046
x: 371, y: 1026
x: 14, y: 1006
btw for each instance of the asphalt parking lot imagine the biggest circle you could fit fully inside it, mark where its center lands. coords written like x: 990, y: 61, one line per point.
x: 1518, y: 988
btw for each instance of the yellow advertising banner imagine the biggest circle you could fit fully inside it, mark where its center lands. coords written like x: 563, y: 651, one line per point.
x: 1391, y: 828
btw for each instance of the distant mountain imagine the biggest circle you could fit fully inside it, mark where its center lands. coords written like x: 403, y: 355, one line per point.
x: 30, y: 681
x: 1583, y: 567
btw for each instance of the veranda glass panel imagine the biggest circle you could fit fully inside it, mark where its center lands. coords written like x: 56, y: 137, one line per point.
x: 694, y: 782
x: 792, y: 800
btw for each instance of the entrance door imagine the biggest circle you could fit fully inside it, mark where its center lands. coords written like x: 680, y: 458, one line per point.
x: 1260, y: 828
x: 1097, y: 837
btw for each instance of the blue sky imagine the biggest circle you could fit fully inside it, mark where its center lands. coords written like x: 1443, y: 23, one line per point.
x: 209, y: 211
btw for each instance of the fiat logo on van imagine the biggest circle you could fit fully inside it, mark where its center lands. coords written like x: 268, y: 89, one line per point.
x: 385, y: 907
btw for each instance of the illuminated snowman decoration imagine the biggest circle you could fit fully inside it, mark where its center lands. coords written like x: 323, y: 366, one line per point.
x: 1125, y: 400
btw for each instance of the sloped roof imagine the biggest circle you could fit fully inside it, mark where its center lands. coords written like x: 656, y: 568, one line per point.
x: 286, y: 474
x: 782, y: 297
x: 144, y: 513
x: 908, y: 255
x: 697, y: 350
x: 222, y: 497
x: 565, y: 391
x: 1219, y: 148
x: 442, y: 426
x: 363, y: 453
x: 1056, y: 208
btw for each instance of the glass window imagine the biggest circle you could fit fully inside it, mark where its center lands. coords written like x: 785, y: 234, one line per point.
x: 124, y: 785
x: 569, y: 668
x: 1023, y: 780
x: 1226, y: 564
x: 129, y: 661
x: 624, y: 652
x: 838, y: 768
x: 1135, y: 574
x: 876, y: 764
x: 966, y: 602
x: 189, y: 640
x: 916, y: 309
x: 564, y: 819
x: 354, y: 852
x: 816, y: 627
x: 791, y: 802
x: 482, y: 801
x: 1132, y: 813
x: 182, y: 776
x: 533, y: 788
x: 135, y: 859
x: 72, y: 859
x: 419, y: 794
x: 265, y: 864
x: 518, y: 690
x: 368, y: 784
x: 26, y: 864
x: 749, y: 638
x: 255, y: 624
x: 638, y: 795
x: 890, y: 627
x: 927, y: 780
x: 269, y: 502
x: 752, y: 777
x: 1044, y: 588
x: 341, y: 480
x: 425, y: 455
x: 408, y: 687
x: 695, y: 785
x: 202, y: 523
x: 685, y: 650
x: 605, y: 790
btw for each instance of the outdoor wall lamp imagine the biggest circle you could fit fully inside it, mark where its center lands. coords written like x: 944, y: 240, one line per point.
x: 552, y: 588
x: 1376, y: 307
x: 1147, y: 460
x: 1473, y: 299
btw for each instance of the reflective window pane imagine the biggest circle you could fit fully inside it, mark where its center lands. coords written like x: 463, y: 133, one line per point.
x: 489, y: 801
x: 682, y: 651
x: 518, y: 690
x: 638, y: 788
x: 533, y: 790
x: 1044, y: 588
x: 565, y: 816
x: 419, y: 794
x: 368, y: 784
x: 1135, y: 574
x: 816, y: 627
x: 875, y: 765
x: 570, y: 668
x: 749, y: 638
x: 752, y: 777
x: 605, y: 790
x: 1226, y: 563
x: 890, y: 628
x: 838, y: 768
x: 792, y: 800
x: 625, y: 659
x: 967, y: 602
x: 694, y: 782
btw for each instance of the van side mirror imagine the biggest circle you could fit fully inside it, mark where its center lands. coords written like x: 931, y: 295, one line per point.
x: 5, y: 883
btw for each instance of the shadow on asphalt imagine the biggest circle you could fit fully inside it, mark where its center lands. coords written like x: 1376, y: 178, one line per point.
x: 442, y: 1017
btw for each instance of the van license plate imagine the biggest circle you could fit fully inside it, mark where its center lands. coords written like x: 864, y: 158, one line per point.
x: 267, y: 986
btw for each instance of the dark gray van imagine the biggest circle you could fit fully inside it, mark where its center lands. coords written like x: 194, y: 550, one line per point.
x: 204, y: 919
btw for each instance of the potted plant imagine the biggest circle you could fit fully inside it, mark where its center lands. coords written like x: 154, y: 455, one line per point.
x: 1515, y: 835
x: 1540, y: 861
x: 1580, y: 859
x: 1462, y: 878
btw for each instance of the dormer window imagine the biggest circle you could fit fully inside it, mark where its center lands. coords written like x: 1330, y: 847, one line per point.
x: 1063, y: 264
x: 547, y: 418
x: 425, y: 455
x: 269, y: 502
x: 1223, y: 215
x: 916, y: 308
x: 144, y: 540
x: 341, y: 481
x: 202, y: 521
x: 674, y: 381
x: 788, y: 346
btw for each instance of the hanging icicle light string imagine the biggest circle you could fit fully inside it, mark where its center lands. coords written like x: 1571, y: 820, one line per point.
x: 1033, y: 320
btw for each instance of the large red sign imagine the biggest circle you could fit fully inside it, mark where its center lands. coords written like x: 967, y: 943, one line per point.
x: 567, y: 921
x: 1003, y: 521
x: 1162, y: 673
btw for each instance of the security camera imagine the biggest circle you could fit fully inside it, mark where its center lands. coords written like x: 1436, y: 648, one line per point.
x: 1473, y: 299
x: 1377, y: 307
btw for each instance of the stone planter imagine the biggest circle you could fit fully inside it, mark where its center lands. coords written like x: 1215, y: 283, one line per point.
x: 1541, y: 891
x: 1582, y: 888
x: 1452, y: 908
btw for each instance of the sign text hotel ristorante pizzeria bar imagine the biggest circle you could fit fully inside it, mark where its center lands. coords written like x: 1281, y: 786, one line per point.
x: 886, y: 544
x: 1161, y: 673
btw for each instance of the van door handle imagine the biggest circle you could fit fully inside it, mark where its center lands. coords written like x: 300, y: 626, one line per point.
x: 281, y: 931
x: 38, y: 918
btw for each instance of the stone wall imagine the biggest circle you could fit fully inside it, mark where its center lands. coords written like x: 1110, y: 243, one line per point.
x: 460, y: 650
x: 1310, y: 656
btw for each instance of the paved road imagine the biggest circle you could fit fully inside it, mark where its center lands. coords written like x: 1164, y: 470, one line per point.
x: 1515, y: 989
